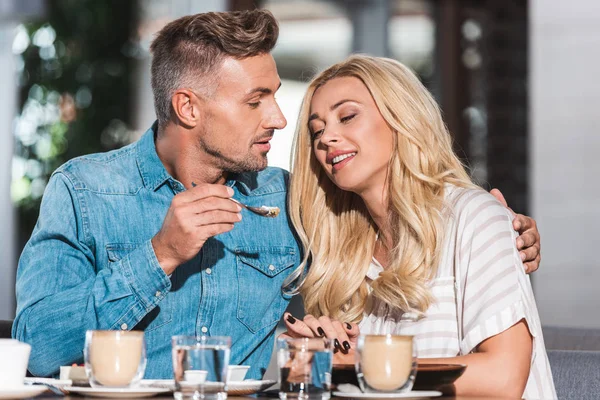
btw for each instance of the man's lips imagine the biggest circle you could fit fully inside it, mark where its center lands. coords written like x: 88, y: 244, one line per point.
x: 264, y: 141
x: 264, y: 144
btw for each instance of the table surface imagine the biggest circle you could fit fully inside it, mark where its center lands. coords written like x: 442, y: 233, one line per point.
x: 170, y: 397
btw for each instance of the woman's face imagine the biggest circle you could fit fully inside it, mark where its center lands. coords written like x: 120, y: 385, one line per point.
x: 350, y: 138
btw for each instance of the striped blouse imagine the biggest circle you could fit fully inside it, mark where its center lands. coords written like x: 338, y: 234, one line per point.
x: 480, y: 288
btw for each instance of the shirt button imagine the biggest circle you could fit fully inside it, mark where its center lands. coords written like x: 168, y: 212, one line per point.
x: 157, y: 294
x: 271, y: 267
x: 204, y: 329
x: 208, y: 271
x: 124, y: 326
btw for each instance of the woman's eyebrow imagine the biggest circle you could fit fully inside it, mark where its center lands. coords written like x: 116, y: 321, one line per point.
x: 333, y: 107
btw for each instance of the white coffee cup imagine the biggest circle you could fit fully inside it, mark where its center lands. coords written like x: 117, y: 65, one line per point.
x: 14, y: 358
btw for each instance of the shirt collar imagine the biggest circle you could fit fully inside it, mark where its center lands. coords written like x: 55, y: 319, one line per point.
x: 154, y: 174
x: 152, y: 170
x: 246, y: 182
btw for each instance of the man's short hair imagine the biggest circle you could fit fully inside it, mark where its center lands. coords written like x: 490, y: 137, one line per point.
x: 188, y: 51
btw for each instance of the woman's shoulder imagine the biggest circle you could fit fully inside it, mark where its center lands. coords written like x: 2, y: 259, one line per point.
x: 473, y: 203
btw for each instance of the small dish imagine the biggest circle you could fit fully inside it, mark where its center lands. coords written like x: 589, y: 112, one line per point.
x: 433, y: 376
x: 195, y: 376
x: 75, y: 373
x: 236, y: 373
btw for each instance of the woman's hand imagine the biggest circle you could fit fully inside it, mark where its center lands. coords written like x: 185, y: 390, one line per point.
x: 528, y: 242
x: 344, y: 335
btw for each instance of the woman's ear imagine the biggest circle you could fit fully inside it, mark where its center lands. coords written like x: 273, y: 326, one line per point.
x: 186, y: 108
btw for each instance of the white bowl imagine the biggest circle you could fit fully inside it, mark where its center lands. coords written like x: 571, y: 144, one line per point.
x: 237, y: 372
x: 74, y: 373
x: 195, y: 376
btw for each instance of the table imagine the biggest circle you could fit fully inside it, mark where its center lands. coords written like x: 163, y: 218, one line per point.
x: 170, y: 397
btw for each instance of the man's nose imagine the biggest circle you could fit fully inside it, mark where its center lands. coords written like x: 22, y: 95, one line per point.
x: 277, y: 120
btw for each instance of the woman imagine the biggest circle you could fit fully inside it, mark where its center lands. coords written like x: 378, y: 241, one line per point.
x: 392, y: 225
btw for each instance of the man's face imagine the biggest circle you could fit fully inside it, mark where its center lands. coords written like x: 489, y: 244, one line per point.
x: 242, y: 114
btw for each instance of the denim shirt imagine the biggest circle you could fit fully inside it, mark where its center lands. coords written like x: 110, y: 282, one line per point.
x: 89, y: 264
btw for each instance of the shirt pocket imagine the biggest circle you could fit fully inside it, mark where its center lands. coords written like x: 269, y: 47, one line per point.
x: 161, y: 314
x: 261, y: 272
x: 436, y: 335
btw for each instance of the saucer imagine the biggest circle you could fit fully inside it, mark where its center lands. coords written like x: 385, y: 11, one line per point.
x: 234, y: 388
x: 249, y: 386
x: 123, y: 393
x: 413, y: 394
x: 22, y: 392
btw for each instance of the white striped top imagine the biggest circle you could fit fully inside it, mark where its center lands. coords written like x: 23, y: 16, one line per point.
x: 480, y: 288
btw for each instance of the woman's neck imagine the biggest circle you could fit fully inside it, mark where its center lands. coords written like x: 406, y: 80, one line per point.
x: 377, y: 204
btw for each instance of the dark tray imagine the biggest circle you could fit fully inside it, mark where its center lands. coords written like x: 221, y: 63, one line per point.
x: 429, y: 376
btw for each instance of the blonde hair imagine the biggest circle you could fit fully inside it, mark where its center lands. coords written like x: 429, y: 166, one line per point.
x: 334, y: 226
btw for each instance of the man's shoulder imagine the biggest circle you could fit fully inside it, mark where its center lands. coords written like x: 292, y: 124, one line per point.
x: 269, y: 180
x: 107, y: 172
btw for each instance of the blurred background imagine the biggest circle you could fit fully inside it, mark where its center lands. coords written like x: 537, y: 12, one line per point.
x: 516, y: 80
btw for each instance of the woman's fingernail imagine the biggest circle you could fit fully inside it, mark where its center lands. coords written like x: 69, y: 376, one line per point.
x: 519, y: 243
x: 522, y: 256
x: 346, y: 345
x: 336, y: 344
x: 291, y: 319
x: 348, y: 326
x: 320, y: 331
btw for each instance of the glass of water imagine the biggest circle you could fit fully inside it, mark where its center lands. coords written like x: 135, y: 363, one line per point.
x: 304, y: 368
x: 200, y: 367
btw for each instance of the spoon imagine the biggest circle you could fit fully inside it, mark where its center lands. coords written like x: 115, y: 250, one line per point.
x: 263, y: 211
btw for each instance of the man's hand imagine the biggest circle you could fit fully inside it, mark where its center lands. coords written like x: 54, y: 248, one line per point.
x: 528, y: 242
x: 194, y: 216
x: 345, y: 335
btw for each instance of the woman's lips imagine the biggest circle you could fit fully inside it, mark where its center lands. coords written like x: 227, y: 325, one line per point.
x: 338, y: 166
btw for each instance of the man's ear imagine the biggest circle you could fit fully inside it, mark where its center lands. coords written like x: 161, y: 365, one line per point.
x: 186, y: 107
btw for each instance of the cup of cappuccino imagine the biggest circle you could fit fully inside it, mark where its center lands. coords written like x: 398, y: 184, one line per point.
x: 386, y: 363
x: 115, y: 359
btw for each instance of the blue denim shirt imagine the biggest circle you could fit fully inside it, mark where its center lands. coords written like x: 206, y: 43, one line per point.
x: 90, y: 265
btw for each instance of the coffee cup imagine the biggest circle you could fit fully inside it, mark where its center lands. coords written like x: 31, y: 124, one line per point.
x: 14, y: 358
x: 115, y: 359
x: 386, y: 363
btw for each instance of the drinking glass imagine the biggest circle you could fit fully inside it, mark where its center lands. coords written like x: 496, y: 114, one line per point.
x: 200, y: 366
x: 386, y: 363
x: 115, y: 359
x: 305, y: 368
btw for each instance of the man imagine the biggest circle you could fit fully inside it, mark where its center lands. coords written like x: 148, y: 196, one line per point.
x: 146, y: 237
